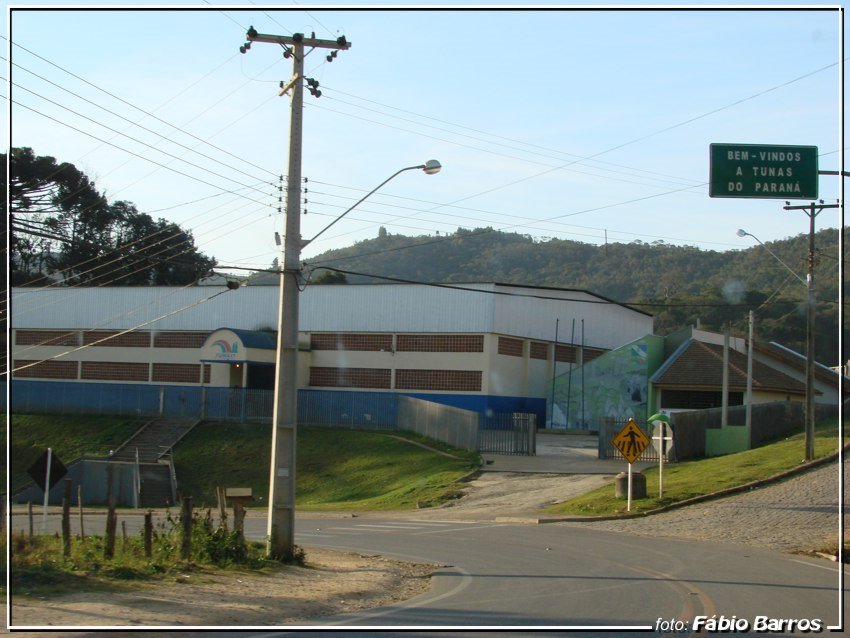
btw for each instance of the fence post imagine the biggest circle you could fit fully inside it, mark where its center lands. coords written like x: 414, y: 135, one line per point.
x: 148, y: 533
x: 66, y: 519
x: 80, y: 505
x: 186, y: 520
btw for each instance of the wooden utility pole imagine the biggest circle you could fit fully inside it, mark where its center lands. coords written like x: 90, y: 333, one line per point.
x: 281, y: 517
x: 812, y: 211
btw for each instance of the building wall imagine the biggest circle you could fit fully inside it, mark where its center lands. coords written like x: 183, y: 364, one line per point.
x: 449, y: 344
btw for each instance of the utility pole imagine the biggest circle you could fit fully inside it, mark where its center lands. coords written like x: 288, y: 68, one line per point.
x: 812, y: 211
x: 281, y: 517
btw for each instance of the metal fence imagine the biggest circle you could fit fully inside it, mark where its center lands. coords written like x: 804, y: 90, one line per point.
x: 455, y: 426
x: 508, y: 434
x: 609, y: 428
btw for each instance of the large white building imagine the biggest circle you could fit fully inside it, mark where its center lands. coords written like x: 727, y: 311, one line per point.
x: 480, y: 346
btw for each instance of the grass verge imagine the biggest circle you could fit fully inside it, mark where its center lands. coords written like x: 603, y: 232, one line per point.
x: 690, y: 479
x: 38, y: 565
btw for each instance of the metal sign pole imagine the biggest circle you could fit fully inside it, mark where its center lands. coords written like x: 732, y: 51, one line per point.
x: 46, y: 491
x: 661, y: 461
x: 629, y: 497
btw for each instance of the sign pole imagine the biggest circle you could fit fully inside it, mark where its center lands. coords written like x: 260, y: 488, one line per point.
x: 629, y: 497
x: 661, y: 461
x: 46, y: 491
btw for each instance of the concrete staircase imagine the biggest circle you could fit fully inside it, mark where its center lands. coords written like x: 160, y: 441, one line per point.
x: 154, y: 441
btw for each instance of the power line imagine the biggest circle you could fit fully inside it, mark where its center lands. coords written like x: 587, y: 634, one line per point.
x: 197, y: 179
x: 149, y: 114
x: 109, y: 128
x: 122, y: 332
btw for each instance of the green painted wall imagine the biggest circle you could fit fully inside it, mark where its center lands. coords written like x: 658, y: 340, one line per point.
x: 615, y: 385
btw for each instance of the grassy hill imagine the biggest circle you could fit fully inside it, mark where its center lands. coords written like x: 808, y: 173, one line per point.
x: 336, y: 469
x: 679, y: 285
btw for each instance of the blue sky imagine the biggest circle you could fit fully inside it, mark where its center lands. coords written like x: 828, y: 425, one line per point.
x: 576, y: 124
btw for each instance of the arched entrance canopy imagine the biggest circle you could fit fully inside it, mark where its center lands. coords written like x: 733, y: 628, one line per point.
x: 248, y: 358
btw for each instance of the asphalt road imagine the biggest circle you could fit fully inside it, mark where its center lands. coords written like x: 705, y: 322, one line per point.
x: 556, y: 576
x: 525, y: 577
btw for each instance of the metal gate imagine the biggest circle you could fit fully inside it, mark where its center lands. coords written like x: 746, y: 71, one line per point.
x: 514, y: 433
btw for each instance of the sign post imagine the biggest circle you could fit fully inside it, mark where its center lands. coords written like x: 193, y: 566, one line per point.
x: 763, y: 171
x: 47, y: 471
x: 631, y: 441
x: 662, y: 440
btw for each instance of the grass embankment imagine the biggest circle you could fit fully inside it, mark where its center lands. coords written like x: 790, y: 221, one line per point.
x: 690, y: 479
x: 335, y: 469
x: 70, y: 437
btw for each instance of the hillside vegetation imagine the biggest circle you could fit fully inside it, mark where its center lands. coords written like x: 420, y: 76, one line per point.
x: 335, y: 468
x: 680, y: 285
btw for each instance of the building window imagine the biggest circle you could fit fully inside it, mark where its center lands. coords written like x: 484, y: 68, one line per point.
x: 373, y: 378
x: 46, y: 369
x: 539, y: 350
x: 440, y: 343
x: 590, y: 354
x: 510, y: 347
x: 115, y: 371
x: 179, y: 339
x: 176, y: 372
x: 348, y: 341
x: 697, y: 399
x: 46, y: 338
x: 566, y: 354
x: 448, y: 380
x: 114, y: 339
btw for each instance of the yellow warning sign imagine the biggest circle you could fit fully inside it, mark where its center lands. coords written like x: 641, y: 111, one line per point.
x: 631, y: 441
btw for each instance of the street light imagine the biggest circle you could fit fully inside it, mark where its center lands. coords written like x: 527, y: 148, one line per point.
x: 281, y: 514
x: 743, y: 233
x: 431, y: 167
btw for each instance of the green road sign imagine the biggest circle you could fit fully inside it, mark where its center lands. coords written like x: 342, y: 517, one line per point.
x: 763, y: 171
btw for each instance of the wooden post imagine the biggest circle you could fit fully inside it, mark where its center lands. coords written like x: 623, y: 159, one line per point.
x: 29, y: 516
x: 148, y: 533
x: 123, y: 536
x: 222, y: 507
x: 111, y: 522
x: 80, y: 505
x: 66, y: 519
x: 186, y: 516
x: 111, y: 517
x: 239, y: 519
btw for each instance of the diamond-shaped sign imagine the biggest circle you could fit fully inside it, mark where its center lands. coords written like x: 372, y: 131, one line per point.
x: 38, y: 470
x: 631, y: 441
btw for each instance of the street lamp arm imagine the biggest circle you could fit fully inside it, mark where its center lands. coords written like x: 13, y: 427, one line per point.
x: 743, y: 233
x: 430, y: 167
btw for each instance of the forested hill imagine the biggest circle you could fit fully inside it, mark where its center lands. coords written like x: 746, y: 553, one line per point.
x: 680, y: 285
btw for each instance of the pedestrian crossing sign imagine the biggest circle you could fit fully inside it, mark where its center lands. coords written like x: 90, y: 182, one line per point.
x: 631, y: 441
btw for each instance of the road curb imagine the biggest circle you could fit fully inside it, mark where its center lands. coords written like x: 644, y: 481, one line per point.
x: 729, y: 491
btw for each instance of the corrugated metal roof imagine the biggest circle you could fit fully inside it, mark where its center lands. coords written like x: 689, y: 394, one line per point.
x: 398, y: 308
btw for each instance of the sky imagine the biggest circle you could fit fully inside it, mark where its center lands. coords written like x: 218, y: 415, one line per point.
x: 589, y: 124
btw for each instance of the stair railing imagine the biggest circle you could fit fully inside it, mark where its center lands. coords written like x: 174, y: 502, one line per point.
x: 168, y: 457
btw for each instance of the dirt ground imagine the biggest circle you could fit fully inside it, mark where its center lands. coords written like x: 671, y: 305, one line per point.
x: 333, y: 582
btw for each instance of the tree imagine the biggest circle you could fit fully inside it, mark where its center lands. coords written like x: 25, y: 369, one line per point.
x: 330, y: 277
x: 61, y: 224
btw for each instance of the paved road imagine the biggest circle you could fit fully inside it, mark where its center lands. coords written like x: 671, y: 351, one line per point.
x: 557, y: 575
x: 703, y: 560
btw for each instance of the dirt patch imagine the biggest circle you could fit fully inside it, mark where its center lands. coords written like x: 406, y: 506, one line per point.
x: 333, y: 582
x: 495, y: 495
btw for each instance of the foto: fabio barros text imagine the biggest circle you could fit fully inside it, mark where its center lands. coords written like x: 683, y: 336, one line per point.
x: 724, y: 624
